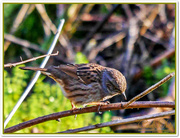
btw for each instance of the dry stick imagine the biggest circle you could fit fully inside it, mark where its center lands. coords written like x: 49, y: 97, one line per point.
x: 114, y: 106
x: 157, y: 60
x: 155, y: 39
x: 41, y: 9
x: 29, y: 60
x: 79, y: 20
x: 63, y: 40
x: 30, y: 45
x: 106, y: 43
x: 23, y: 43
x: 127, y: 11
x: 98, y: 26
x: 132, y: 38
x: 120, y: 122
x: 19, y: 18
x: 149, y: 89
x: 73, y: 18
x: 148, y: 21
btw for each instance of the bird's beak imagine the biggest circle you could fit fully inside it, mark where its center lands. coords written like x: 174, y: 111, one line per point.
x: 124, y: 95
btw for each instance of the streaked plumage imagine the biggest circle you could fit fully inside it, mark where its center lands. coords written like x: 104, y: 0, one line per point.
x: 86, y: 83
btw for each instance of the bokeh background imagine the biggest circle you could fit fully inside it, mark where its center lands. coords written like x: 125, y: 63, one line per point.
x: 136, y: 39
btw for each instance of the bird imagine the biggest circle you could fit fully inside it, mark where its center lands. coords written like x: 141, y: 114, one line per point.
x: 86, y: 84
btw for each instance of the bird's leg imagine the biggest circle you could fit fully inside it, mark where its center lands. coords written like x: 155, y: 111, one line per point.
x: 73, y: 106
x: 107, y: 102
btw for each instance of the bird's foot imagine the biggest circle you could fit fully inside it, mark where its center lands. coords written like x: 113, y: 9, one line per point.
x: 73, y: 106
x: 99, y: 104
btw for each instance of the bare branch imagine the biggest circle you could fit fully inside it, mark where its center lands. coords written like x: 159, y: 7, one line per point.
x: 120, y: 122
x: 24, y: 11
x: 23, y: 43
x: 166, y: 54
x: 114, y: 106
x: 29, y: 60
x: 149, y: 89
x: 106, y: 43
x: 63, y: 40
x: 45, y: 17
x: 157, y: 60
x: 98, y: 26
x: 148, y: 21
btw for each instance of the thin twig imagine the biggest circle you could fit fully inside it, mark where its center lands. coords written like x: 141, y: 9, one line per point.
x: 106, y: 43
x: 98, y: 26
x: 166, y: 54
x: 23, y: 43
x: 20, y: 17
x: 30, y: 45
x: 18, y: 20
x: 114, y: 106
x: 156, y: 61
x: 33, y: 81
x: 120, y: 122
x: 127, y: 11
x: 149, y: 89
x: 132, y: 38
x: 29, y: 60
x: 41, y: 9
x: 148, y: 21
x: 63, y: 40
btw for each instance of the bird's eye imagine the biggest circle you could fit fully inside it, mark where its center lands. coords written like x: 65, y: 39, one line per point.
x: 110, y: 87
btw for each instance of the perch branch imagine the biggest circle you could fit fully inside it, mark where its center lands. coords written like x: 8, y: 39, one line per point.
x: 114, y: 106
x: 121, y: 122
x: 29, y: 60
x: 149, y: 89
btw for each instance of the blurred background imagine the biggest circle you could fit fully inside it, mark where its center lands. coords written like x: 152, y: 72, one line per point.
x: 136, y: 39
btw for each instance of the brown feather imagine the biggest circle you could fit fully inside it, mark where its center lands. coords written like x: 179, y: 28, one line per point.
x: 86, y: 73
x: 69, y: 70
x: 33, y: 68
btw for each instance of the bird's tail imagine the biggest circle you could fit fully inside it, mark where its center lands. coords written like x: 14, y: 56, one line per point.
x: 34, y: 68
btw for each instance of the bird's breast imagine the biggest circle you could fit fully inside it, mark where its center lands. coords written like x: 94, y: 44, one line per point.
x: 80, y: 93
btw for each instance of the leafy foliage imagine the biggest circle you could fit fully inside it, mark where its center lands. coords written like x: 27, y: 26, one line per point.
x: 80, y: 58
x: 153, y: 76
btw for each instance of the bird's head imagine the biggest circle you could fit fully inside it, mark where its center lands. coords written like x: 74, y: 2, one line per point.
x: 115, y: 82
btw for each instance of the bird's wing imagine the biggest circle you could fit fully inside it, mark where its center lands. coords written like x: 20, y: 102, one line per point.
x: 86, y: 73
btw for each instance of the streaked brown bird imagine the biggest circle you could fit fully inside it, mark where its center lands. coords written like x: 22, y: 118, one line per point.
x: 86, y: 84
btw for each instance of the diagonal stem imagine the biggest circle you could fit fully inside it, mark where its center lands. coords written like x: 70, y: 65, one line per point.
x: 149, y: 89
